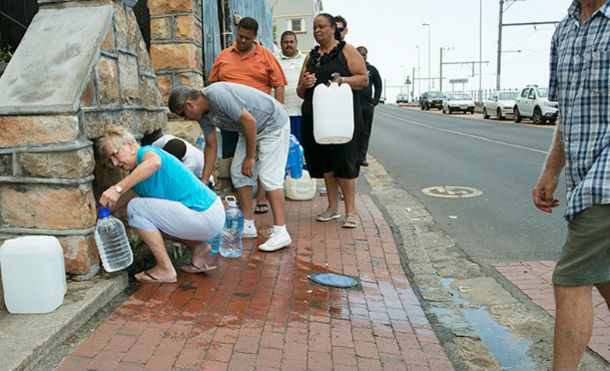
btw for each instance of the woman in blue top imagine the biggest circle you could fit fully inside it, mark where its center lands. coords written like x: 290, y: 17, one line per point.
x: 164, y: 199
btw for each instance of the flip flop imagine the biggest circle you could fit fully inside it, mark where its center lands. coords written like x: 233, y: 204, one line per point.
x: 153, y: 279
x: 351, y: 221
x: 192, y: 268
x: 261, y: 208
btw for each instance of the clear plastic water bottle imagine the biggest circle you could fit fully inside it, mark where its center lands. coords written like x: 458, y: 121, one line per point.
x: 112, y: 242
x: 214, y: 243
x: 231, y: 246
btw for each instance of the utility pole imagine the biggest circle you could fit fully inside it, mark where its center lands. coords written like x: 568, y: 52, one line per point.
x: 500, y: 25
x: 441, y: 73
x: 499, y: 45
x: 480, y: 50
x: 413, y: 86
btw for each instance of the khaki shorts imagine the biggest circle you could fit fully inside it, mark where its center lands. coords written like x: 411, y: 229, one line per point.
x: 270, y: 163
x: 585, y: 258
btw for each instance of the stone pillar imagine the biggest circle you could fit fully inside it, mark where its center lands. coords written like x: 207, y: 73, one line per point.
x: 82, y: 65
x: 176, y: 52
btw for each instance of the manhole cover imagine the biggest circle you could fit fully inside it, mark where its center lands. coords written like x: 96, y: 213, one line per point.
x: 333, y: 279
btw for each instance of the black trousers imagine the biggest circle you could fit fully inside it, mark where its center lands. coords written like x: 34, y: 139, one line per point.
x: 367, y: 125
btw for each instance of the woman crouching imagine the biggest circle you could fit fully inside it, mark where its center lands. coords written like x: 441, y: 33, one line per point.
x: 164, y: 199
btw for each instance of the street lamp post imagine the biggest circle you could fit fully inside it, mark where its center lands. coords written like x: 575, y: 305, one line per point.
x: 418, y: 69
x: 429, y: 78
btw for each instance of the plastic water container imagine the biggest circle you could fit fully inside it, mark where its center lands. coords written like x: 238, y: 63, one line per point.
x: 303, y: 188
x: 112, y: 242
x: 33, y: 274
x: 294, y: 165
x: 333, y: 114
x: 231, y: 246
x: 214, y: 243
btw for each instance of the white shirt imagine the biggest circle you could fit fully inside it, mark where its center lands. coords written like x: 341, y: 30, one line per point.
x: 193, y: 158
x: 292, y: 69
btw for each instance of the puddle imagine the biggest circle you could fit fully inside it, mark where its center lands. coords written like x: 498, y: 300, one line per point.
x: 509, y: 350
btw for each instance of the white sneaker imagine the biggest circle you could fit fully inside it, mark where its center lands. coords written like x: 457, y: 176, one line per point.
x: 277, y: 240
x: 249, y: 230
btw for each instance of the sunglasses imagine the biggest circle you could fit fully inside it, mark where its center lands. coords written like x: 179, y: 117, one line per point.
x: 340, y: 29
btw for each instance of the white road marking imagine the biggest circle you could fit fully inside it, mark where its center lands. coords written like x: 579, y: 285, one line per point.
x: 465, y: 134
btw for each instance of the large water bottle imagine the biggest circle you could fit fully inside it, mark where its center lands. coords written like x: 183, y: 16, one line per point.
x: 231, y: 246
x: 214, y: 243
x: 294, y: 164
x: 112, y: 242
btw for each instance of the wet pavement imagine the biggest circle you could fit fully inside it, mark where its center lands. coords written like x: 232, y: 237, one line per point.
x: 533, y: 278
x: 261, y: 311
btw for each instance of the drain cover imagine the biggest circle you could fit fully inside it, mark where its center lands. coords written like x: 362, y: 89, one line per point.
x: 332, y: 279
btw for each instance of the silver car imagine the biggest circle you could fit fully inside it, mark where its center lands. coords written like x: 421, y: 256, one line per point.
x: 500, y: 104
x: 458, y: 102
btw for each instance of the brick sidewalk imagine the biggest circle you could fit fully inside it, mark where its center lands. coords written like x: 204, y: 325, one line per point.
x: 534, y: 279
x: 261, y: 312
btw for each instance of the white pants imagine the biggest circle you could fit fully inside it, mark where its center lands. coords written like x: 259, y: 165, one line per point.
x: 175, y: 219
x: 271, y: 157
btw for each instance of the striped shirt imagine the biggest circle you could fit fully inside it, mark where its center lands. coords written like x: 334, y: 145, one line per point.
x: 580, y: 83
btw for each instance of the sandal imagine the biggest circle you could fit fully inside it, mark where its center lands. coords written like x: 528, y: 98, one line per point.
x: 146, y: 277
x: 327, y: 215
x: 261, y: 208
x: 351, y: 221
x: 192, y: 268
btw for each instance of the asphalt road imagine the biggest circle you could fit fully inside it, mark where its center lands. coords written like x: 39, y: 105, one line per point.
x: 499, y: 158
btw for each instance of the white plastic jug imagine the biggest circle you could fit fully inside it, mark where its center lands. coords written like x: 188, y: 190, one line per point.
x: 33, y: 274
x: 333, y: 114
x: 303, y: 188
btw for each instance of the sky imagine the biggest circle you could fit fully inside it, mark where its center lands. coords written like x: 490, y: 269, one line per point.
x: 391, y: 30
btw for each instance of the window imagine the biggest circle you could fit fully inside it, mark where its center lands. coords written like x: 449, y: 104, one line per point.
x: 297, y: 25
x: 524, y: 92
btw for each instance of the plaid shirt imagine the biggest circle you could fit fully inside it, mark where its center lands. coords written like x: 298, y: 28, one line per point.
x: 580, y: 82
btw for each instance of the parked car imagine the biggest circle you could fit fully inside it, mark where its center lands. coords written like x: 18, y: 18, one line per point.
x: 533, y: 102
x: 500, y: 104
x: 431, y: 99
x: 458, y: 102
x: 402, y: 98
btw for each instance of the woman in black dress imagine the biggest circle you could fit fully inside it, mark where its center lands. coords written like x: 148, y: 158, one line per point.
x: 339, y: 164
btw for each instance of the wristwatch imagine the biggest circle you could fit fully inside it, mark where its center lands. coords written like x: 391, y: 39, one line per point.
x: 118, y: 188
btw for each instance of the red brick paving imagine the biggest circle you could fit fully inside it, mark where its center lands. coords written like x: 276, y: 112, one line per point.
x: 261, y: 312
x: 534, y: 279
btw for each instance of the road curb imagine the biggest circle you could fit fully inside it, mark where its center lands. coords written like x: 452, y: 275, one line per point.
x: 27, y: 338
x: 444, y: 276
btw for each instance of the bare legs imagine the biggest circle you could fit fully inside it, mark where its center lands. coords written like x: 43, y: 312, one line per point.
x: 348, y: 187
x: 276, y: 199
x: 164, y: 270
x: 573, y: 324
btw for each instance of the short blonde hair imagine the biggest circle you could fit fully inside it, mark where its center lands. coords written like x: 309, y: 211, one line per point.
x: 117, y: 135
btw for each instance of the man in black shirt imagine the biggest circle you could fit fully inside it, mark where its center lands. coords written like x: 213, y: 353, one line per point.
x: 368, y: 101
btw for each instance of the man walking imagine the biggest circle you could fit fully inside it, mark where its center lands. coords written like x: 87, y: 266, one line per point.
x: 579, y: 81
x: 262, y: 148
x: 291, y: 61
x: 368, y: 101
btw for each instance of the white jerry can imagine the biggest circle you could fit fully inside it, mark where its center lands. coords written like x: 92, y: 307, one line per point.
x: 333, y: 114
x: 303, y: 188
x: 33, y: 274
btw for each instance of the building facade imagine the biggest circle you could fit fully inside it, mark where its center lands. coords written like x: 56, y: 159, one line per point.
x: 296, y: 16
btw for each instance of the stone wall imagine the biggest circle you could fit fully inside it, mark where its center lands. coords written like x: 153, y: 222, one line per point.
x: 81, y: 66
x: 176, y: 52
